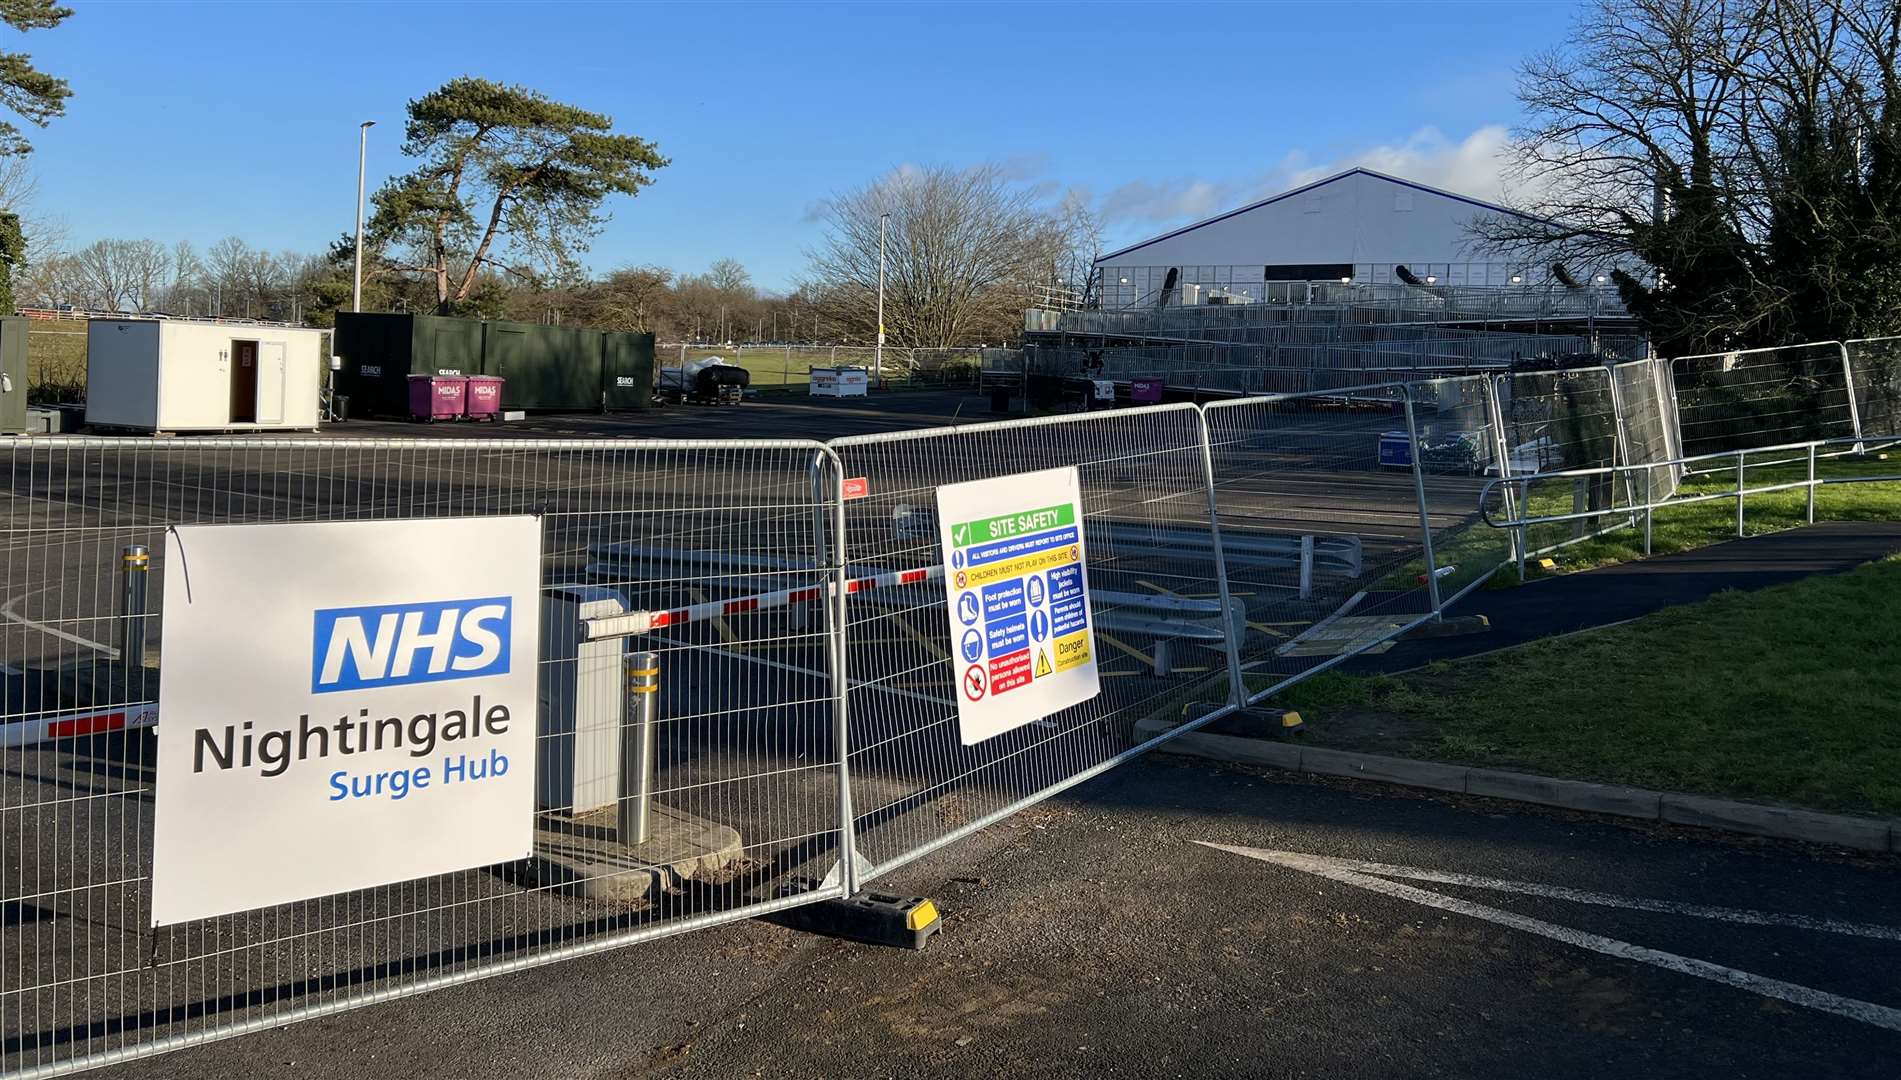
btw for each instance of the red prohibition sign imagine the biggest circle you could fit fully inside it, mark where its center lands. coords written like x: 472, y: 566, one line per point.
x: 961, y: 579
x: 974, y: 682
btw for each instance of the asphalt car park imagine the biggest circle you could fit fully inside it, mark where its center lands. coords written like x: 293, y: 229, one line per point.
x: 1338, y: 930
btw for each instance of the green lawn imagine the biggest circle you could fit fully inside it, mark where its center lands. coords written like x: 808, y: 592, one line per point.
x: 1790, y: 694
x: 773, y: 368
x: 55, y: 360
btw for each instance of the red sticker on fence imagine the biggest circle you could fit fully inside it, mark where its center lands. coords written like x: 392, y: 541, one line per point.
x: 857, y: 487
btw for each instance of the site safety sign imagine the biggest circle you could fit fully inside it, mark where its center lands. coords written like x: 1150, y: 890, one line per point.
x: 1018, y: 594
x: 345, y: 704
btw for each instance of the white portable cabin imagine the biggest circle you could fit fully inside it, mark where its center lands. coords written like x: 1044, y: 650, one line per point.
x: 173, y: 375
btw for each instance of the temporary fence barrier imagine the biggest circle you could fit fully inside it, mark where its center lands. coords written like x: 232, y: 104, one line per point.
x: 747, y: 774
x: 1874, y: 370
x: 1147, y: 534
x: 1648, y: 431
x: 757, y: 637
x: 1559, y: 420
x: 1764, y: 397
x: 1320, y: 473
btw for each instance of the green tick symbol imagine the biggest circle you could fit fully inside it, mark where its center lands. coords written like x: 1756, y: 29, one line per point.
x: 961, y: 535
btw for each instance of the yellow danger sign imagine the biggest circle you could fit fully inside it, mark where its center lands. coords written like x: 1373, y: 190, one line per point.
x: 1042, y: 663
x: 1072, y: 651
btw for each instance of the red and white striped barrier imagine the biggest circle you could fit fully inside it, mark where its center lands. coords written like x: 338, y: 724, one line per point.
x: 641, y: 622
x: 68, y: 725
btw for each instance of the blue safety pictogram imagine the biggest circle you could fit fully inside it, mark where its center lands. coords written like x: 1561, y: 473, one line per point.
x: 957, y: 560
x: 972, y: 645
x: 1036, y: 590
x: 967, y: 609
x: 1039, y: 624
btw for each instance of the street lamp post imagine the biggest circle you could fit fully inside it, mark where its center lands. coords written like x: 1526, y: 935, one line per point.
x: 362, y: 152
x: 879, y: 360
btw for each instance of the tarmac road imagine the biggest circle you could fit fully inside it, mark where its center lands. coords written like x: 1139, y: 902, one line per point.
x: 1097, y: 936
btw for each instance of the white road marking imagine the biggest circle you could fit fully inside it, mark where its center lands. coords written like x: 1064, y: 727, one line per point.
x: 1744, y: 916
x: 1341, y: 870
x: 10, y: 615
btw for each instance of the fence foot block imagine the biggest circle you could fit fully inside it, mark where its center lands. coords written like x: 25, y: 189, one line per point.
x: 1252, y: 722
x: 874, y: 918
x: 583, y: 856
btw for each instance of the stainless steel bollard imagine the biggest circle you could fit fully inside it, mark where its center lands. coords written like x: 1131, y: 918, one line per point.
x: 639, y: 743
x: 135, y: 565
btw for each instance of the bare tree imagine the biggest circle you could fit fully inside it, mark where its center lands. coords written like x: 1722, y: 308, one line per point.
x: 1744, y: 151
x: 630, y: 298
x: 120, y: 275
x: 963, y: 248
x: 730, y: 276
x: 1070, y: 244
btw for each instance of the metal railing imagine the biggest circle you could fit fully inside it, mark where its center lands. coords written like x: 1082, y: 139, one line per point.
x: 1640, y: 512
x: 1451, y: 294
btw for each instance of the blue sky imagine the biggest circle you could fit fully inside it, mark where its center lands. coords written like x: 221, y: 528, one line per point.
x: 198, y: 121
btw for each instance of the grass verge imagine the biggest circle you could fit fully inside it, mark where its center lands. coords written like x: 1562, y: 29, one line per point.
x: 1788, y: 694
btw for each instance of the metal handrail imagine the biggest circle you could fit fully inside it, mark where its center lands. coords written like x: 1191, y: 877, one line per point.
x: 1739, y: 456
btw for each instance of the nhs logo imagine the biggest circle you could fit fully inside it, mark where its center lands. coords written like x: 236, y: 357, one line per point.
x: 361, y: 648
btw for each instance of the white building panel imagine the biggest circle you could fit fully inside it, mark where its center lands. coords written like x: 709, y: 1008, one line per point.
x: 1364, y: 223
x: 174, y: 375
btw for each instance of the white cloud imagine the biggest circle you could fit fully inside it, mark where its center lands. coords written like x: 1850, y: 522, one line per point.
x: 1474, y: 165
x: 1168, y: 200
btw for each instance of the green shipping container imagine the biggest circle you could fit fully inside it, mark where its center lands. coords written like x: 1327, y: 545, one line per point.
x: 380, y: 351
x: 13, y: 331
x: 567, y: 368
x: 627, y: 370
x: 546, y: 367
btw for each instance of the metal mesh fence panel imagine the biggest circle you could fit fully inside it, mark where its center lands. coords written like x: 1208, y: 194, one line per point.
x: 1874, y: 366
x: 1558, y: 420
x: 1763, y: 397
x: 1320, y: 524
x: 1649, y: 426
x: 1155, y: 597
x: 747, y: 781
x: 1460, y: 446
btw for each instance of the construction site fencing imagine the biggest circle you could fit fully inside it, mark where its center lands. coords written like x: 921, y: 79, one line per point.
x: 1567, y: 419
x: 1320, y: 518
x: 1292, y: 367
x: 786, y: 603
x: 1648, y: 434
x: 1159, y: 606
x: 748, y: 748
x: 1765, y: 397
x: 1874, y: 370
